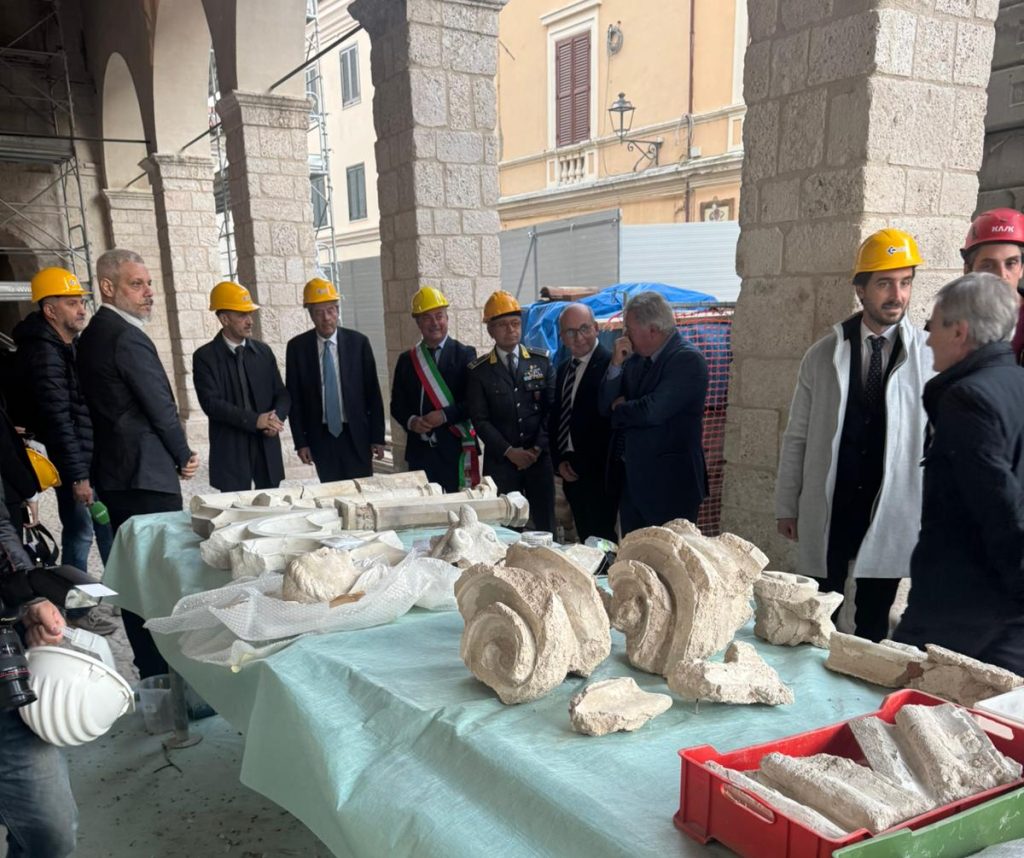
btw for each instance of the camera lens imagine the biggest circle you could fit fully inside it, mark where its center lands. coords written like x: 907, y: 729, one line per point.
x: 14, y: 688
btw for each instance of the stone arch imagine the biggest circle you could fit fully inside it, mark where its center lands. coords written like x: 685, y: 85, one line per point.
x: 122, y: 118
x: 181, y: 74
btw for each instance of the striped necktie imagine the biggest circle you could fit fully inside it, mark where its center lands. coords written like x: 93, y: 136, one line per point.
x: 566, y: 414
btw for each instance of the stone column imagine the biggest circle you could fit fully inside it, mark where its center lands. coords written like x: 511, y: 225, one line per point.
x: 433, y: 64
x: 860, y: 115
x: 268, y: 186
x: 186, y: 228
x: 131, y: 217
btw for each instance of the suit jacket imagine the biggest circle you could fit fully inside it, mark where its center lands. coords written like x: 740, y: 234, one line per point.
x: 138, y: 439
x: 408, y: 399
x: 506, y: 412
x: 360, y: 390
x: 589, y: 429
x: 662, y: 422
x: 232, y: 426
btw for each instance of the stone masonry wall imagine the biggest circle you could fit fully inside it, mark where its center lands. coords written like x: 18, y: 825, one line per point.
x: 435, y: 112
x: 861, y: 114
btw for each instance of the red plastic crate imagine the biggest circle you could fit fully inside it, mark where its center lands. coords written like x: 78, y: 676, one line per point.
x: 711, y: 808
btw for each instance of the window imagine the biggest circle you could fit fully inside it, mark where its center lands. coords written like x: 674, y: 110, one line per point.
x: 313, y: 85
x: 318, y: 188
x: 572, y: 89
x: 350, y: 76
x: 356, y: 177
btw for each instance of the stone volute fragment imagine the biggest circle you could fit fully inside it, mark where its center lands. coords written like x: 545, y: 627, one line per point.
x: 678, y: 595
x: 744, y: 677
x: 614, y: 704
x: 529, y: 622
x: 319, y: 576
x: 789, y: 610
x: 467, y: 540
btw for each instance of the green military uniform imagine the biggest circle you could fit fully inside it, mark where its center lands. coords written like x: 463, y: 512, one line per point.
x: 511, y: 410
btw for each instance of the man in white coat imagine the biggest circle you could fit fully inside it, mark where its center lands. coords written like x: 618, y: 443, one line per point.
x: 849, y: 482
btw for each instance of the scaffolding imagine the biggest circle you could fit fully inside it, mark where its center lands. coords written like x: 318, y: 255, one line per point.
x: 51, y: 222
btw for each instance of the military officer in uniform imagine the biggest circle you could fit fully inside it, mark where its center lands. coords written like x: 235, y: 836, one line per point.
x: 509, y: 393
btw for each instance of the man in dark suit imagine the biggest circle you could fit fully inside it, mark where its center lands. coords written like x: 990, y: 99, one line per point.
x: 654, y: 391
x: 140, y: 451
x: 428, y: 398
x: 337, y: 411
x: 579, y: 433
x: 509, y: 395
x: 240, y: 389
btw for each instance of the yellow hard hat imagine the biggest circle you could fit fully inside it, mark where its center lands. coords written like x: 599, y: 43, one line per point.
x: 52, y: 282
x: 46, y: 471
x: 426, y: 299
x: 231, y: 296
x: 319, y: 291
x: 501, y: 303
x: 887, y: 249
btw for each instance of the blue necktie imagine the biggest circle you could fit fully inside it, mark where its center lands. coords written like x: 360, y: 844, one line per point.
x: 332, y: 394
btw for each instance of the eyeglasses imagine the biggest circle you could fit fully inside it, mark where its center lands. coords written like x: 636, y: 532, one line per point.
x: 508, y: 324
x: 584, y: 330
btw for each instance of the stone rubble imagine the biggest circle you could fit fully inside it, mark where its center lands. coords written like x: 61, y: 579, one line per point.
x: 852, y: 795
x: 744, y: 677
x: 959, y: 678
x: 530, y: 621
x: 680, y: 596
x: 887, y: 663
x: 614, y: 704
x: 467, y: 540
x: 789, y: 610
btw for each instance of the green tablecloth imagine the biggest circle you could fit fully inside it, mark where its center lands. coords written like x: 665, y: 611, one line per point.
x: 382, y: 742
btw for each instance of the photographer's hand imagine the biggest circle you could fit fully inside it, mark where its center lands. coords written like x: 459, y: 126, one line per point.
x: 43, y: 624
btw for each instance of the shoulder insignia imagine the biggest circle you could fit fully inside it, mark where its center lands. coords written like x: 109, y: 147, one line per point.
x: 480, y: 360
x: 536, y: 351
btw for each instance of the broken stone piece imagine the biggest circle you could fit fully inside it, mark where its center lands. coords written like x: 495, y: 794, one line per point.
x: 744, y: 677
x: 887, y: 663
x: 807, y: 816
x: 959, y: 678
x: 851, y: 794
x: 467, y: 540
x: 319, y: 576
x: 950, y: 753
x: 681, y: 596
x: 884, y: 750
x: 614, y: 704
x: 789, y: 610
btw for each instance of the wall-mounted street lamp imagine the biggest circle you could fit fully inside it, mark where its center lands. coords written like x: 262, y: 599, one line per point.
x: 621, y: 113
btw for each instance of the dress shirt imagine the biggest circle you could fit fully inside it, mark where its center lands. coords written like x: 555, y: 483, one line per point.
x: 232, y: 345
x: 424, y: 401
x: 320, y: 368
x: 128, y: 317
x: 581, y: 368
x: 889, y: 334
x: 503, y: 356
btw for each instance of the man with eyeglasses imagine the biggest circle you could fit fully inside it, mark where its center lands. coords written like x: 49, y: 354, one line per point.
x: 579, y: 434
x: 337, y: 411
x: 509, y: 394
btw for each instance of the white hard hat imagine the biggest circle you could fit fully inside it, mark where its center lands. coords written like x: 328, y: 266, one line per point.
x: 78, y: 696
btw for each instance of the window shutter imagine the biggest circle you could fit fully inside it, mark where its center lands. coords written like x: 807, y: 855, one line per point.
x: 572, y: 90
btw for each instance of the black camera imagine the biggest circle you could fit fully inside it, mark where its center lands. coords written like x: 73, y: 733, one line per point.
x: 15, y: 691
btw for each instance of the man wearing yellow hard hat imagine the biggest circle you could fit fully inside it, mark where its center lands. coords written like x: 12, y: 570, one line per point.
x: 337, y: 413
x: 240, y: 389
x: 510, y: 393
x: 428, y: 398
x: 849, y: 482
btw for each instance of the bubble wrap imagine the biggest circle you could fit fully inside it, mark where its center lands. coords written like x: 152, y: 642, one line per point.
x: 247, y: 619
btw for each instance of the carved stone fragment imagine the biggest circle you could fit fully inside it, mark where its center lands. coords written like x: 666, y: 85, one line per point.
x: 511, y: 510
x: 614, y: 704
x: 789, y: 610
x: 681, y: 596
x: 960, y: 678
x: 319, y: 576
x: 887, y: 663
x: 744, y: 677
x: 467, y: 540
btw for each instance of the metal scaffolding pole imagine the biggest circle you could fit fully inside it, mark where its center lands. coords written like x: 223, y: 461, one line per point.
x: 323, y: 226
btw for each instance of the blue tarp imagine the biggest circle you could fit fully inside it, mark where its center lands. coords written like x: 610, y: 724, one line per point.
x: 540, y: 320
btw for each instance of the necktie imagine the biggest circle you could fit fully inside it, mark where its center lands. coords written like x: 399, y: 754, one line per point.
x: 240, y: 360
x: 332, y: 394
x: 512, y: 365
x: 645, y: 368
x: 873, y: 385
x: 566, y: 413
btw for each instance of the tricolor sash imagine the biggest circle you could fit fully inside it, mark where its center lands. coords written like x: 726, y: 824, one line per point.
x: 441, y: 397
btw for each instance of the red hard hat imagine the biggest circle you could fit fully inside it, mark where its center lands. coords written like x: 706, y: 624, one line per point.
x: 996, y: 226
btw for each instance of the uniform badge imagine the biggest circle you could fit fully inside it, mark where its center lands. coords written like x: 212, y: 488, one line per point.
x: 533, y: 373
